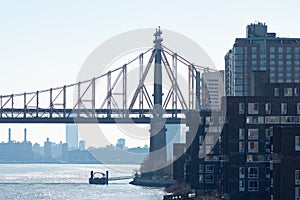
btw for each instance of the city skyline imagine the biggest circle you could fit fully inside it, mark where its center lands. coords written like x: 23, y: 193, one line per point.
x: 17, y: 135
x: 81, y: 143
x: 35, y: 43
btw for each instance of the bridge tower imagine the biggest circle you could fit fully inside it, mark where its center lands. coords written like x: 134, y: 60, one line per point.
x: 158, y: 130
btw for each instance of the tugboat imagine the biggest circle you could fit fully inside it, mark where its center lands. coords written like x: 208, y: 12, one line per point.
x: 98, y: 178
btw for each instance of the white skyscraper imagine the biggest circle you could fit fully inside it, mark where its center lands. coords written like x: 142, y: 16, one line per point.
x: 72, y: 136
x: 214, y: 90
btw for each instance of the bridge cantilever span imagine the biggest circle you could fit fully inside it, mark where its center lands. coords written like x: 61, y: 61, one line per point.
x: 105, y: 99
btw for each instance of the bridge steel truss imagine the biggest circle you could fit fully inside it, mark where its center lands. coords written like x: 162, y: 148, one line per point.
x: 52, y: 105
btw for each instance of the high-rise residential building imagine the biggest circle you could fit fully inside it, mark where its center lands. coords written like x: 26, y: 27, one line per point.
x: 259, y: 139
x: 261, y: 51
x: 72, y: 136
x: 213, y: 90
x: 256, y: 155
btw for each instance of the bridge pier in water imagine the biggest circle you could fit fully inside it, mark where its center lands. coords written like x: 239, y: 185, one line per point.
x: 156, y: 164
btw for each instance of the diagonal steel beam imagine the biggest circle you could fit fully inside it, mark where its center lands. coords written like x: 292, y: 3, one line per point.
x: 174, y: 81
x: 141, y: 83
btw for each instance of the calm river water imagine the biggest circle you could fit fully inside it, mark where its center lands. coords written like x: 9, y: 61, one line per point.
x: 70, y: 181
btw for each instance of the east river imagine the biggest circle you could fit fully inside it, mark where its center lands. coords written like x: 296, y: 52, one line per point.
x: 70, y: 181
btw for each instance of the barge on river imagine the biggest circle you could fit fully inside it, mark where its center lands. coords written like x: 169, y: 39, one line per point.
x: 98, y: 178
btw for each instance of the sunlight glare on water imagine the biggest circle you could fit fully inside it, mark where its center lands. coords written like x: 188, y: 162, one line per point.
x: 70, y: 181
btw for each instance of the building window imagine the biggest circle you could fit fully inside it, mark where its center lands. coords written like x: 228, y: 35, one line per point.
x: 276, y: 92
x: 298, y: 120
x: 268, y: 173
x: 298, y: 108
x: 209, y: 120
x: 261, y: 120
x: 209, y: 179
x: 253, y: 172
x: 241, y: 134
x: 254, y: 120
x: 200, y: 139
x: 242, y: 172
x: 252, y: 147
x: 210, y: 139
x: 296, y: 92
x: 209, y: 149
x: 250, y: 158
x: 272, y: 119
x: 252, y: 134
x: 297, y: 193
x: 209, y: 169
x: 253, y: 108
x: 241, y: 185
x: 200, y: 168
x: 251, y: 120
x: 255, y: 158
x: 297, y: 177
x: 267, y: 146
x: 283, y: 108
x: 238, y: 50
x: 200, y: 178
x: 288, y: 92
x: 241, y: 108
x: 297, y: 143
x: 253, y: 185
x: 287, y: 119
x: 241, y: 146
x: 268, y: 108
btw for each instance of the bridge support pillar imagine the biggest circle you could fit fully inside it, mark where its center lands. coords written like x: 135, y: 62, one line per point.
x: 158, y: 140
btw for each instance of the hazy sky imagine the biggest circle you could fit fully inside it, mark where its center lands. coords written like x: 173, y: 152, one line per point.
x: 44, y: 43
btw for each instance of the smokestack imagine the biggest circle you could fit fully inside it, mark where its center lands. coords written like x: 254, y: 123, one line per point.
x: 9, y: 135
x: 25, y: 135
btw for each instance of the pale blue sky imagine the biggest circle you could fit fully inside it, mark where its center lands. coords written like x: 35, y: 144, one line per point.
x: 44, y: 43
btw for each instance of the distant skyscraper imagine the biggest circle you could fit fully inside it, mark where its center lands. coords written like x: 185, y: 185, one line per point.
x: 261, y: 51
x: 37, y: 149
x: 82, y: 145
x: 121, y: 143
x: 47, y: 150
x: 214, y: 90
x: 72, y: 136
